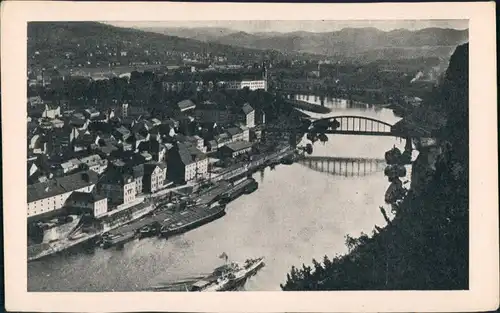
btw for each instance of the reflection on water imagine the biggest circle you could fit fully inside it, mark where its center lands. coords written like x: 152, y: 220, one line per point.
x: 296, y: 214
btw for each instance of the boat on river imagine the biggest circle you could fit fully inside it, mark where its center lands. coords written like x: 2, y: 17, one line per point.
x: 109, y: 241
x: 229, y: 276
x: 247, y: 186
x: 191, y: 218
x: 150, y: 230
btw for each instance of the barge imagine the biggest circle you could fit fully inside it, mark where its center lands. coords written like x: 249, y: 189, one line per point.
x: 191, y: 218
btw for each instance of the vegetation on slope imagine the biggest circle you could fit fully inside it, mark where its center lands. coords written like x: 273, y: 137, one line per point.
x: 425, y: 247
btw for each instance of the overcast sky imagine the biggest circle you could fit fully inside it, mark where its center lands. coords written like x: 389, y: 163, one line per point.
x: 313, y: 26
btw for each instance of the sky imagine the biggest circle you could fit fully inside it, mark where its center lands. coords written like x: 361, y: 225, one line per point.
x: 312, y: 26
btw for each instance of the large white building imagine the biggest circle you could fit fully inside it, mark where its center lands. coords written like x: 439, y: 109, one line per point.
x: 240, y: 84
x: 52, y: 195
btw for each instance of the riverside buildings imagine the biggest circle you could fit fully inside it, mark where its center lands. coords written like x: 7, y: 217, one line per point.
x: 93, y: 160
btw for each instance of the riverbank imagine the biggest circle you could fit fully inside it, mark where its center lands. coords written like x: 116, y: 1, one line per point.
x: 307, y: 106
x: 36, y: 252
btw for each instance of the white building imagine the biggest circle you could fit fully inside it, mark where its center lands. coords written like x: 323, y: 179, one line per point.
x: 52, y: 195
x: 240, y: 84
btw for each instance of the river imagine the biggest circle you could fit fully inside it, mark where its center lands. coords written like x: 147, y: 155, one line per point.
x: 298, y: 213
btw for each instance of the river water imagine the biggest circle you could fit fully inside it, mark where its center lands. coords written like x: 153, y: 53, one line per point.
x: 298, y: 213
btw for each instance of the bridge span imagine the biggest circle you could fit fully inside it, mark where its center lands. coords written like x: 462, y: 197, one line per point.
x: 342, y: 124
x: 344, y: 166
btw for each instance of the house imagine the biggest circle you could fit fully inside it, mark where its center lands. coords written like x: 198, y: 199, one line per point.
x: 92, y: 162
x: 235, y: 133
x: 35, y: 101
x: 68, y: 166
x: 121, y: 133
x: 186, y: 163
x: 91, y: 113
x: 137, y: 173
x: 196, y: 141
x: 186, y: 105
x: 155, y: 122
x: 248, y: 115
x: 154, y: 176
x: 88, y: 202
x: 51, y: 195
x: 213, y: 114
x: 157, y: 150
x: 234, y: 149
x: 211, y: 146
x: 51, y: 110
x: 106, y: 151
x: 57, y: 123
x: 222, y: 139
x: 118, y: 187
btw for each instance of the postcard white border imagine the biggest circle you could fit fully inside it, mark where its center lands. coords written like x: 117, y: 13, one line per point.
x: 484, y: 280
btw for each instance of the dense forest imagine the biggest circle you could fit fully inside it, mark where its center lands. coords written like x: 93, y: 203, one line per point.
x: 425, y: 247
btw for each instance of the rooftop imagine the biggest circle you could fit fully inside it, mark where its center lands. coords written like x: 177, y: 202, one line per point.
x: 186, y: 105
x: 61, y: 185
x: 87, y: 197
x: 239, y: 145
x: 247, y: 108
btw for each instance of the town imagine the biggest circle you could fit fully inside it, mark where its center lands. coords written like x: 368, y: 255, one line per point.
x: 160, y: 152
x: 93, y: 169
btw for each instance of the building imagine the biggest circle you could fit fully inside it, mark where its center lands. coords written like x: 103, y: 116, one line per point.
x: 248, y: 115
x: 91, y: 113
x: 121, y: 133
x: 235, y: 148
x: 88, y: 201
x: 92, y: 162
x: 51, y: 110
x: 210, y: 112
x: 51, y: 196
x: 186, y: 105
x: 118, y: 187
x: 222, y: 140
x: 154, y: 176
x: 235, y: 134
x: 186, y: 163
x: 68, y: 166
x: 137, y: 173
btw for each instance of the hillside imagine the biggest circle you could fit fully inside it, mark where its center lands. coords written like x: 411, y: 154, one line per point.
x: 357, y: 42
x: 425, y: 247
x: 74, y: 44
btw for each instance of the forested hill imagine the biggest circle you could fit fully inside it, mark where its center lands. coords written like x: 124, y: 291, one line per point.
x: 425, y: 247
x: 77, y: 43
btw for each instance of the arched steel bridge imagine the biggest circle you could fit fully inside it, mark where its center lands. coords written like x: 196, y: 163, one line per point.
x: 342, y: 124
x: 352, y: 125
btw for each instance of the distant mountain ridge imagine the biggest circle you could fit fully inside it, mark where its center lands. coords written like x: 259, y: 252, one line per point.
x: 345, y: 42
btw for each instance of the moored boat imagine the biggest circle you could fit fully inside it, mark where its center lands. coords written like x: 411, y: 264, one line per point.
x: 116, y: 239
x: 192, y: 218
